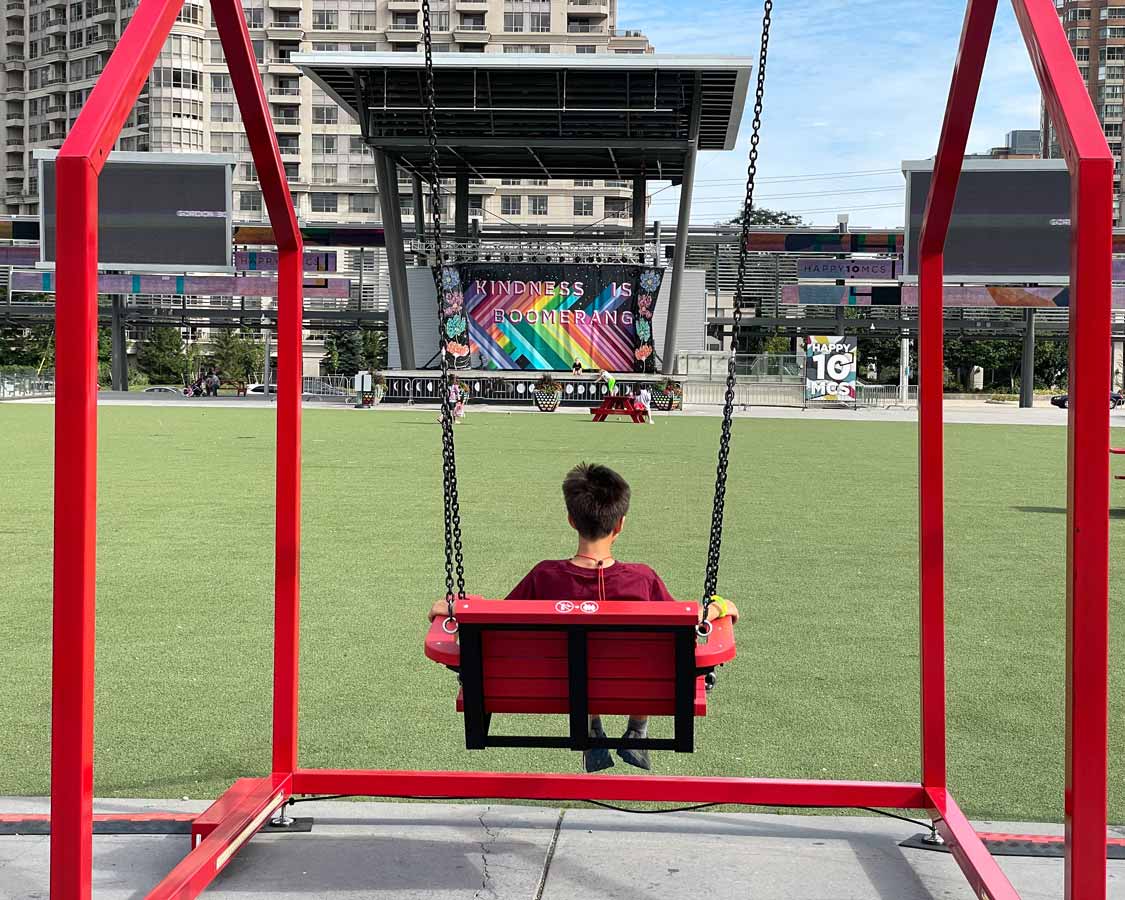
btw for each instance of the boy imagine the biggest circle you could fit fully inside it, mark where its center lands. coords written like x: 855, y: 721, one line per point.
x: 597, y: 500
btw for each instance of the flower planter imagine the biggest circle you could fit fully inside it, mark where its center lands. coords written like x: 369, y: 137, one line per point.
x: 375, y: 397
x: 547, y: 401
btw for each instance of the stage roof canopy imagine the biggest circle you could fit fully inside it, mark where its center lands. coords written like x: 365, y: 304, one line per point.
x: 541, y: 115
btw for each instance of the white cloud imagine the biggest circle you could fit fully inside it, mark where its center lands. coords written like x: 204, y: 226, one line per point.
x: 847, y: 90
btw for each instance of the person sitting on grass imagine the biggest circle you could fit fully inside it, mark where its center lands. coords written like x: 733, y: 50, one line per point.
x: 597, y: 500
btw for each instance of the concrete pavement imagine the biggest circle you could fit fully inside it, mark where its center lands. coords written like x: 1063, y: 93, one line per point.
x: 410, y: 851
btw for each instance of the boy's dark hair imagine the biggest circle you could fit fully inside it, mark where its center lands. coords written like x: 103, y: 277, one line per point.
x: 597, y: 498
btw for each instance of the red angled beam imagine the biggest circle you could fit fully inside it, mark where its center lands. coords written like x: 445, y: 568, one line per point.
x: 657, y: 788
x: 967, y: 71
x: 251, y: 810
x: 985, y: 876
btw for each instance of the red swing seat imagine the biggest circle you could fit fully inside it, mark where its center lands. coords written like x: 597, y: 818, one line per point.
x: 538, y: 657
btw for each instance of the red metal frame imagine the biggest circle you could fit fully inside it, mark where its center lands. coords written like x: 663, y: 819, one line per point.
x: 237, y: 815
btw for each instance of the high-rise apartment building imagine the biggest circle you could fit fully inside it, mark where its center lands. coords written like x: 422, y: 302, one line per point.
x: 54, y: 50
x: 1096, y: 31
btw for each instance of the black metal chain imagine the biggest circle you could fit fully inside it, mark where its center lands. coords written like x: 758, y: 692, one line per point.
x: 711, y: 578
x: 454, y: 559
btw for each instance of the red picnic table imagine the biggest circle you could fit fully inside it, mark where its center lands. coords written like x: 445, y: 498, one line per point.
x: 1118, y: 451
x: 619, y: 405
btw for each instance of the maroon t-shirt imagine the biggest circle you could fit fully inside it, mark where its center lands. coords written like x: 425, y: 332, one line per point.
x: 561, y: 579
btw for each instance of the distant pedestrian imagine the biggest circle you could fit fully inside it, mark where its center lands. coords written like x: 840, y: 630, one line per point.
x: 577, y: 367
x: 644, y: 402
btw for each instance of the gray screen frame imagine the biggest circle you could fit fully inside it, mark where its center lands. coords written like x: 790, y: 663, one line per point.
x: 226, y: 160
x: 978, y: 165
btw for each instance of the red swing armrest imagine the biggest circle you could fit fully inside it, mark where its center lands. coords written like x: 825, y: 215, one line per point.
x: 720, y: 647
x: 442, y: 648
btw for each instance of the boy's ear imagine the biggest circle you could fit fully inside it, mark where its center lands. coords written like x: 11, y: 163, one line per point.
x: 570, y: 519
x: 620, y: 525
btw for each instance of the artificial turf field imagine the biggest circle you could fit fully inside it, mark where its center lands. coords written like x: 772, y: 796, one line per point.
x: 820, y: 554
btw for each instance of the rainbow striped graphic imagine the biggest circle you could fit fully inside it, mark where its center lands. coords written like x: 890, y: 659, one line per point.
x: 537, y: 316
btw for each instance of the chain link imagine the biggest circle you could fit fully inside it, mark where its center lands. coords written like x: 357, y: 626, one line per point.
x: 711, y: 578
x: 454, y: 557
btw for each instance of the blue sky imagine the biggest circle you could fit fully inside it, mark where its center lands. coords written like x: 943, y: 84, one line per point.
x: 852, y: 86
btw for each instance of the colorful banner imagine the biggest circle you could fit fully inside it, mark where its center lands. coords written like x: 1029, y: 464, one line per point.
x: 43, y: 282
x: 953, y: 297
x: 830, y: 368
x: 267, y: 260
x: 538, y: 316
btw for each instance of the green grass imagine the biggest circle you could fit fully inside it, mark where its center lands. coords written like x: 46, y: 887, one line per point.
x: 820, y: 553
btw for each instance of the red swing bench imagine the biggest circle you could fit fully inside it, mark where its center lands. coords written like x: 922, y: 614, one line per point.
x: 577, y: 659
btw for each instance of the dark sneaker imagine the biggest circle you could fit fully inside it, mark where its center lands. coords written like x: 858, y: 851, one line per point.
x: 638, y: 758
x: 597, y: 759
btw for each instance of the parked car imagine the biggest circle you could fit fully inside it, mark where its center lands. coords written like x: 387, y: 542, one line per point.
x: 164, y: 390
x: 260, y: 390
x: 1115, y: 400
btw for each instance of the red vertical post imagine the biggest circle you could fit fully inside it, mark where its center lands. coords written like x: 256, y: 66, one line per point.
x: 975, y: 36
x: 1087, y: 529
x: 76, y: 441
x: 1087, y: 532
x: 287, y: 571
x: 243, y: 68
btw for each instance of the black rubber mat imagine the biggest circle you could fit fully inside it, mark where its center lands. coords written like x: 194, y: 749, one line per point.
x: 41, y: 826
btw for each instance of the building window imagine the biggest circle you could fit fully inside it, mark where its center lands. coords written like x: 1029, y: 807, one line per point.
x: 537, y: 205
x: 325, y: 115
x: 249, y: 201
x: 363, y: 203
x: 324, y: 173
x: 1082, y: 54
x: 222, y: 112
x: 326, y: 46
x: 404, y: 22
x: 292, y: 171
x: 221, y: 84
x: 540, y: 21
x: 583, y: 182
x: 247, y: 172
x: 326, y: 19
x: 222, y: 143
x: 362, y: 174
x: 476, y: 205
x: 510, y: 204
x: 364, y: 21
x: 586, y: 48
x: 254, y: 18
x: 357, y: 145
x: 323, y: 144
x: 184, y: 78
x: 324, y: 203
x: 583, y: 206
x: 513, y: 22
x: 216, y: 55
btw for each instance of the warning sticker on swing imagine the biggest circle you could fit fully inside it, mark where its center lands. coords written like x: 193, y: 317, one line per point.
x: 564, y: 606
x: 589, y: 607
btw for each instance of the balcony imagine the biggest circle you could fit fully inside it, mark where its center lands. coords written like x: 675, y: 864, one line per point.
x: 589, y: 7
x: 400, y: 34
x: 15, y: 33
x: 404, y: 5
x: 284, y: 95
x: 472, y: 5
x: 287, y: 122
x: 471, y: 34
x: 55, y: 26
x: 102, y: 14
x: 585, y: 28
x: 289, y: 150
x: 55, y: 112
x: 285, y: 4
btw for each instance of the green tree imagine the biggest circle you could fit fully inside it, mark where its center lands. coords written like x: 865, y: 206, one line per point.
x: 759, y: 215
x: 345, y: 353
x: 236, y: 355
x: 162, y: 356
x: 374, y: 349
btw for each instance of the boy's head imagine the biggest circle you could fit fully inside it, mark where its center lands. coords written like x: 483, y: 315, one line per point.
x: 597, y: 499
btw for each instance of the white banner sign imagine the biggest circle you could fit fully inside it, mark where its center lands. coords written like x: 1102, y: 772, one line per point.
x: 858, y: 269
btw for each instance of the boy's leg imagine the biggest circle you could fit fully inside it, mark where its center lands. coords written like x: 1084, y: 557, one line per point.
x: 636, y: 729
x: 597, y: 758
